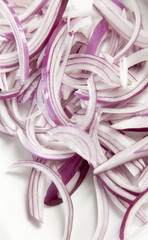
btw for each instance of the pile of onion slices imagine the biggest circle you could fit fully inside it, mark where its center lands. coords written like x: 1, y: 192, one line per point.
x: 73, y: 90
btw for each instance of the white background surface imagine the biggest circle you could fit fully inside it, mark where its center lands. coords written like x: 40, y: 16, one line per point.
x: 15, y: 224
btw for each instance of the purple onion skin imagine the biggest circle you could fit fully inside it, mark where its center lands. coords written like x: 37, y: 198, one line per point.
x: 66, y: 172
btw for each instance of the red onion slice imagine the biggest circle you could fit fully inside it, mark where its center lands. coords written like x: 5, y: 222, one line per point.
x: 20, y: 39
x: 71, y: 92
x: 133, y: 152
x: 130, y: 213
x: 62, y: 189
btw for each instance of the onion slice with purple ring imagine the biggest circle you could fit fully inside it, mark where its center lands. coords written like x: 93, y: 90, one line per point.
x: 130, y: 213
x: 20, y: 40
x: 62, y: 189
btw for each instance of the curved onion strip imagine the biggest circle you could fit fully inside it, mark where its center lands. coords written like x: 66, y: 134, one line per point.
x: 118, y: 177
x: 135, y: 32
x: 72, y: 172
x: 117, y: 201
x: 9, y: 94
x: 137, y: 150
x: 137, y: 57
x: 119, y: 96
x: 20, y: 39
x: 115, y: 189
x: 96, y: 37
x: 49, y: 23
x: 143, y: 179
x: 114, y: 177
x: 51, y: 65
x: 66, y: 113
x: 62, y: 189
x: 41, y: 151
x: 36, y: 192
x: 5, y: 131
x: 66, y: 171
x: 33, y: 9
x: 98, y: 63
x: 127, y: 109
x: 75, y: 83
x: 5, y: 117
x: 121, y: 180
x: 85, y: 121
x: 30, y: 196
x: 77, y: 140
x: 122, y: 205
x: 130, y: 213
x: 30, y: 131
x: 112, y: 136
x: 120, y: 24
x: 139, y: 121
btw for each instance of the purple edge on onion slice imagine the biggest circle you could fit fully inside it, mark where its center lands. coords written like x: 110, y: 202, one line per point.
x: 52, y: 198
x: 133, y: 207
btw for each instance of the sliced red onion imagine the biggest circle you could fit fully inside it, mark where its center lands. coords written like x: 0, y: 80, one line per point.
x: 50, y: 22
x: 118, y: 179
x: 127, y: 109
x: 44, y: 32
x: 130, y: 213
x: 137, y: 57
x: 36, y: 193
x: 85, y: 121
x: 70, y: 112
x: 96, y: 37
x: 71, y: 177
x: 111, y: 137
x: 77, y: 140
x: 122, y: 205
x: 6, y: 120
x: 96, y: 65
x: 9, y: 94
x: 20, y: 40
x: 41, y: 151
x: 135, y: 34
x: 62, y: 189
x: 120, y: 24
x: 33, y: 9
x: 51, y: 62
x: 110, y: 97
x: 115, y: 189
x: 133, y: 152
x: 66, y: 172
x: 135, y: 122
x: 142, y: 179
